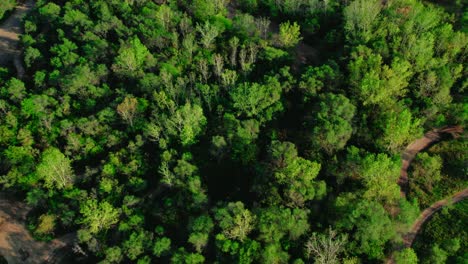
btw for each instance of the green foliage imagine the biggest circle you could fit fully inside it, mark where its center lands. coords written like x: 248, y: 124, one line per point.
x: 295, y: 175
x: 360, y: 16
x: 55, y: 170
x: 45, y: 225
x: 380, y: 174
x: 399, y: 128
x: 136, y: 244
x: 443, y: 238
x: 161, y: 246
x: 133, y: 58
x: 253, y: 99
x: 187, y: 123
x: 201, y: 229
x: 406, y: 256
x: 235, y: 221
x: 289, y: 34
x: 274, y: 223
x: 98, y: 216
x: 242, y: 135
x: 373, y: 227
x: 332, y: 124
x: 377, y: 84
x: 425, y: 174
x: 274, y: 254
x: 113, y: 255
x: 14, y: 89
x: 213, y: 130
x: 317, y: 78
x: 6, y: 6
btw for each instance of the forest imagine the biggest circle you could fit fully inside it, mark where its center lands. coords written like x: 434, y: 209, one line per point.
x: 239, y: 131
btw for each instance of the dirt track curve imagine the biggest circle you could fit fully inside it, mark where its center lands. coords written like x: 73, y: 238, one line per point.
x: 409, y: 237
x: 10, y: 31
x: 409, y: 154
x: 417, y: 146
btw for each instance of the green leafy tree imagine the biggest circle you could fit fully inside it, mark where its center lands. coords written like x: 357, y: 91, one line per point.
x: 273, y: 253
x: 325, y: 248
x: 315, y: 79
x: 98, y: 216
x: 254, y: 99
x: 46, y: 224
x: 55, y: 169
x: 332, y: 126
x: 204, y: 9
x: 437, y: 255
x: 289, y: 34
x: 380, y: 173
x: 181, y: 256
x: 113, y: 255
x: 399, y: 128
x: 187, y: 123
x: 406, y: 256
x: 235, y: 221
x: 242, y: 136
x: 14, y: 89
x: 136, y: 244
x: 294, y: 175
x: 208, y: 33
x: 201, y: 229
x: 426, y: 171
x: 6, y: 6
x: 274, y: 223
x: 372, y: 225
x: 161, y: 246
x: 377, y: 84
x: 133, y: 58
x: 360, y: 17
x: 50, y: 11
x: 128, y: 109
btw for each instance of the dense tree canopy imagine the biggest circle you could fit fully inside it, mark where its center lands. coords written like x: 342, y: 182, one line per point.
x: 218, y: 131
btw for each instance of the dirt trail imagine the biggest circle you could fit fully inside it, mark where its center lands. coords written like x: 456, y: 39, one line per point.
x: 417, y: 146
x: 409, y: 154
x: 409, y: 237
x: 10, y: 31
x: 16, y: 244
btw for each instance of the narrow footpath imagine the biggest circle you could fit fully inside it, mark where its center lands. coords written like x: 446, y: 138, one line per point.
x: 409, y: 237
x: 409, y: 154
x: 10, y: 31
x: 419, y: 145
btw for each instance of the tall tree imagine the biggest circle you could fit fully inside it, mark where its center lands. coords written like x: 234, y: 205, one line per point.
x: 332, y: 123
x: 325, y: 248
x: 235, y: 221
x: 98, y: 216
x: 55, y: 169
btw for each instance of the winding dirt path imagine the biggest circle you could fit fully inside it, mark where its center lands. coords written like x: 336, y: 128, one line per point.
x: 409, y: 237
x: 10, y: 31
x: 409, y: 154
x: 417, y: 146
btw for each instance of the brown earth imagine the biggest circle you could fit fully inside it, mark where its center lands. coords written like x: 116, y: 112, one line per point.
x: 16, y: 243
x: 10, y: 31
